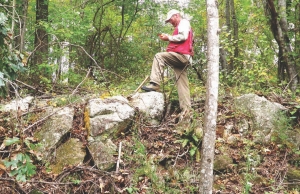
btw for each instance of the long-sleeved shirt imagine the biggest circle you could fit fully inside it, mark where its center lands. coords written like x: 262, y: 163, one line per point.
x: 184, y: 28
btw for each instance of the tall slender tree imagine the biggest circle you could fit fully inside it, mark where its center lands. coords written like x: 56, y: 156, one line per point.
x: 232, y: 30
x: 23, y: 22
x: 211, y: 104
x: 297, y: 33
x: 41, y: 37
x: 20, y: 20
x: 279, y: 26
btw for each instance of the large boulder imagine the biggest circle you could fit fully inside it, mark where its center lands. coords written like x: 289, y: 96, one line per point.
x: 21, y: 104
x: 105, y: 120
x: 264, y: 116
x: 54, y: 129
x: 150, y: 104
x: 103, y: 152
x: 70, y: 153
x: 109, y: 116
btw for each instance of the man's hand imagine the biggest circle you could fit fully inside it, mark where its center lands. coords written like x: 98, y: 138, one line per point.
x: 164, y: 37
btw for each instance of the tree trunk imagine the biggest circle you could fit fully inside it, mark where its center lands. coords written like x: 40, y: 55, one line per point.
x: 227, y: 16
x: 279, y: 27
x: 235, y: 30
x: 20, y: 32
x: 13, y: 20
x: 297, y: 34
x: 41, y: 37
x: 232, y: 28
x: 211, y: 104
x: 223, y: 52
x: 223, y: 61
x: 23, y: 25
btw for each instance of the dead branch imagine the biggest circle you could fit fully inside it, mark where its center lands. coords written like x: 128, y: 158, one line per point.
x: 43, y: 119
x: 89, y: 70
x: 29, y: 86
x: 119, y: 157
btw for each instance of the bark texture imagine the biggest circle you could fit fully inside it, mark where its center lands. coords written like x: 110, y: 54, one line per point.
x: 211, y: 104
x: 20, y: 28
x: 41, y: 37
x: 23, y: 21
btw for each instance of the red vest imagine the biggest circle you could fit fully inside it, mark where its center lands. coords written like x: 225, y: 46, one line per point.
x: 183, y: 47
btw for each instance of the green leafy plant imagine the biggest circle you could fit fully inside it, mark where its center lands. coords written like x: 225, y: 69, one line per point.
x: 190, y: 139
x: 131, y: 190
x: 21, y: 166
x: 281, y: 136
x: 10, y: 141
x: 248, y: 175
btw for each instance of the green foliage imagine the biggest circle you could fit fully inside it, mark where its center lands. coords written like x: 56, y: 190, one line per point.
x: 10, y: 141
x: 21, y: 166
x: 131, y: 190
x: 281, y: 136
x: 252, y: 159
x: 249, y: 80
x: 11, y: 60
x: 248, y: 173
x: 190, y: 140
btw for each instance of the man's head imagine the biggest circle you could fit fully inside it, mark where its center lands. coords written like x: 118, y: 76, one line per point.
x: 173, y: 17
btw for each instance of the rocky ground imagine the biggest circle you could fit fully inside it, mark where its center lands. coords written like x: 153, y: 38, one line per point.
x: 159, y: 160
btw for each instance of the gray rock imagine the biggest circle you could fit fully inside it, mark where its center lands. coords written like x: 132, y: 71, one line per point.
x: 263, y: 114
x: 22, y: 104
x: 54, y: 129
x: 151, y: 104
x: 109, y: 116
x: 102, y: 153
x: 69, y: 153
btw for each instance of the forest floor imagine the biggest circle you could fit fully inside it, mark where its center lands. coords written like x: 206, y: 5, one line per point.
x: 154, y: 160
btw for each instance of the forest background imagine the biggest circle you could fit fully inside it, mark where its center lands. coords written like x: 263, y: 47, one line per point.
x: 107, y: 47
x: 46, y: 43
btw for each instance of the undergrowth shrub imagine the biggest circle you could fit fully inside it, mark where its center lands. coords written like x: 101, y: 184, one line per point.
x: 281, y: 135
x: 20, y: 165
x: 10, y: 59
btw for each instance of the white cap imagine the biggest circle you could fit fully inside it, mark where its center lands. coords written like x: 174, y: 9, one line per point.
x: 171, y: 13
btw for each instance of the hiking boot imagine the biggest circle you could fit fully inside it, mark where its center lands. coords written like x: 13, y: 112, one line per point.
x: 151, y: 87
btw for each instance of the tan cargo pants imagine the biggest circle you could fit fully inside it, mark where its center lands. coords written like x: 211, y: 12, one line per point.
x: 178, y: 63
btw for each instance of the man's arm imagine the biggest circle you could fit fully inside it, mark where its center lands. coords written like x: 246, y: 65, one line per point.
x: 183, y: 31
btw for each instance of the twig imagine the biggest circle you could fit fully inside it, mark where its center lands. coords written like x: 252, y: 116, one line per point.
x: 289, y: 83
x: 43, y: 119
x: 142, y: 84
x: 29, y: 86
x: 5, y: 151
x: 119, y: 157
x: 43, y: 182
x: 105, y: 70
x: 282, y: 179
x: 16, y: 182
x: 81, y: 82
x: 90, y: 58
x: 33, y: 111
x: 180, y: 155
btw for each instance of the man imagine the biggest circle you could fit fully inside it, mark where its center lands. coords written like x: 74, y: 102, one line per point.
x: 178, y: 55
